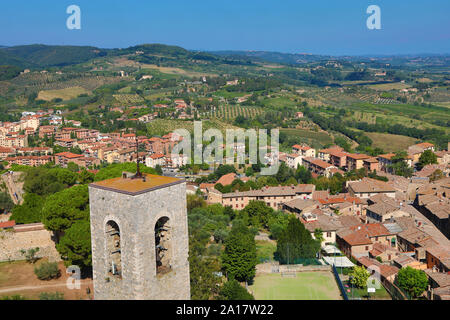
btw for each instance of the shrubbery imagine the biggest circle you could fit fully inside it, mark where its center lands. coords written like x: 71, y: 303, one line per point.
x: 51, y: 296
x: 232, y: 290
x: 47, y: 271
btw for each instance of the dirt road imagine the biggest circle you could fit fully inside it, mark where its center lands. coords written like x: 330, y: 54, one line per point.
x: 14, y: 186
x: 38, y: 287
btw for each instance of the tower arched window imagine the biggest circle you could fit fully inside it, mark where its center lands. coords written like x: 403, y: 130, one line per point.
x: 114, y: 250
x: 163, y: 246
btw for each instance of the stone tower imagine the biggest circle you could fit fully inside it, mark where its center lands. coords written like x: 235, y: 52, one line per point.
x: 139, y: 238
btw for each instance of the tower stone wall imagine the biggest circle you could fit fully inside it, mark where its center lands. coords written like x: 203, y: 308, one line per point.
x: 136, y: 214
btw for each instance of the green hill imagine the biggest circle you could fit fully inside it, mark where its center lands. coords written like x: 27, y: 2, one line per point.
x: 38, y: 55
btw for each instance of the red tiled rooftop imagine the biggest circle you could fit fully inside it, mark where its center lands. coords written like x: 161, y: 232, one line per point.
x: 358, y: 156
x: 69, y: 155
x: 157, y: 156
x: 299, y: 147
x: 340, y: 200
x: 227, y: 179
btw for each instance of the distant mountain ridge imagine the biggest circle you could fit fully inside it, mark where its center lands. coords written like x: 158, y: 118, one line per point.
x: 39, y: 55
x: 276, y: 57
x: 42, y: 56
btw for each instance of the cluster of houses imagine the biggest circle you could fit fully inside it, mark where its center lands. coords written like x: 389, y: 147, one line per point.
x: 96, y: 147
x: 327, y: 162
x: 181, y: 111
x: 394, y: 224
x: 372, y: 222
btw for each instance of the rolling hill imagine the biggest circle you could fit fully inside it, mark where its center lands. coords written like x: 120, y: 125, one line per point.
x: 45, y: 56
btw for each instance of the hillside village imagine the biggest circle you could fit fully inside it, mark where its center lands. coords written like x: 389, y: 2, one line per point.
x: 363, y: 178
x: 386, y: 220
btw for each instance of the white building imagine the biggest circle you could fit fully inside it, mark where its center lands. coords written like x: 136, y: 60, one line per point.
x: 155, y: 159
x: 176, y: 161
x: 293, y: 160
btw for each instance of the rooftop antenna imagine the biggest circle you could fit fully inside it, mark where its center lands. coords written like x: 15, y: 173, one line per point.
x: 138, y: 174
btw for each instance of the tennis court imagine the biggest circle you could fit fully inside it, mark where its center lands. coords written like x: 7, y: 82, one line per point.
x: 304, y: 286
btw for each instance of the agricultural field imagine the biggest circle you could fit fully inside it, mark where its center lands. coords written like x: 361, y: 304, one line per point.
x: 229, y: 95
x: 389, y: 86
x: 64, y: 94
x: 405, y: 114
x: 177, y: 71
x: 312, y: 138
x: 160, y: 127
x: 279, y: 102
x: 230, y: 112
x: 390, y: 142
x: 344, y: 96
x: 305, y: 286
x: 125, y: 99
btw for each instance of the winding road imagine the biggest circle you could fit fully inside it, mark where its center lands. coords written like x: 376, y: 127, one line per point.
x: 14, y: 189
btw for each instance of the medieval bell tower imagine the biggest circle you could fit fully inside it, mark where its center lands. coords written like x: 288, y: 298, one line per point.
x: 139, y: 238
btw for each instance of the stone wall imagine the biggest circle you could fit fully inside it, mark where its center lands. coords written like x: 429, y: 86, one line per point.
x: 12, y: 242
x: 136, y: 217
x: 275, y: 267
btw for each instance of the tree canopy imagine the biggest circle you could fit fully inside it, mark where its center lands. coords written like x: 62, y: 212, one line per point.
x: 232, y: 290
x: 30, y: 211
x: 62, y: 209
x: 413, y: 281
x: 256, y: 213
x: 427, y: 157
x: 75, y: 245
x: 295, y: 243
x: 239, y: 257
x: 6, y: 203
x: 359, y: 276
x: 44, y: 181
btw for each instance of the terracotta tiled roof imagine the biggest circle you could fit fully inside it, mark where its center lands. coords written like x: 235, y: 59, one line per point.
x: 387, y: 156
x: 6, y: 150
x: 69, y: 155
x: 339, y: 200
x: 157, y: 156
x: 424, y: 145
x: 299, y: 147
x: 275, y: 191
x: 331, y: 149
x: 320, y: 163
x: 367, y: 185
x: 227, y: 179
x: 357, y: 238
x: 357, y: 156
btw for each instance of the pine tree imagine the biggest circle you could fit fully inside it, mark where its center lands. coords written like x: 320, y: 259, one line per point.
x: 239, y: 257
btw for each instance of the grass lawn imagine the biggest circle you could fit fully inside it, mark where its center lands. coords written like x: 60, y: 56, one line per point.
x: 305, y: 286
x: 380, y: 294
x: 265, y: 250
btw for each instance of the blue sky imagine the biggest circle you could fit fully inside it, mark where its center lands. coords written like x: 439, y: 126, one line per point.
x: 313, y: 26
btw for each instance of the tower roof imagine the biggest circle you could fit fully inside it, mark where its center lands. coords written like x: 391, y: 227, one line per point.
x: 136, y: 186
